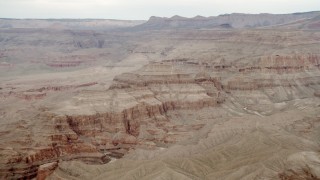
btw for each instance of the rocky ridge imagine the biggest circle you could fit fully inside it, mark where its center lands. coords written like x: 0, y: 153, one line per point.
x: 226, y: 21
x: 181, y: 104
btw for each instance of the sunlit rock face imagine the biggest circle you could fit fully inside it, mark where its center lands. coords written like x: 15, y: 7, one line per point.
x: 184, y: 103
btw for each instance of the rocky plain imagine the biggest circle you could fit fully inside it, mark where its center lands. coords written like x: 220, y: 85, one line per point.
x: 235, y: 96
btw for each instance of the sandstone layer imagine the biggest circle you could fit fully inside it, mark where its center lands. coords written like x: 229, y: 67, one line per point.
x: 170, y: 104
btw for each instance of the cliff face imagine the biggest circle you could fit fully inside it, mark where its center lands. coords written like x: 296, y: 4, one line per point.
x: 100, y: 125
x: 135, y: 111
x: 136, y: 102
x: 285, y: 64
x: 207, y: 103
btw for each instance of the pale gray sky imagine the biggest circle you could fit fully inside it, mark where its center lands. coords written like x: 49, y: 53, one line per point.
x: 143, y: 9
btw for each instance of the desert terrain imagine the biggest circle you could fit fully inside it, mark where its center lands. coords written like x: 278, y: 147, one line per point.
x: 236, y: 96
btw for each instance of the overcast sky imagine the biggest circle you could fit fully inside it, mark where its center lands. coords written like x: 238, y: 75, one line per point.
x: 143, y: 9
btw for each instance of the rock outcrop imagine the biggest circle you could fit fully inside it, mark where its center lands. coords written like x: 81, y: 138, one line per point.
x: 188, y: 103
x: 45, y: 170
x: 285, y: 64
x: 132, y: 112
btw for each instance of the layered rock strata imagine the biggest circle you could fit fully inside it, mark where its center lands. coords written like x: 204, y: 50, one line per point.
x: 95, y: 126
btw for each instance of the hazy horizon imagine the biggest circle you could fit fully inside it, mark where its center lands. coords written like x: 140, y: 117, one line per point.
x: 149, y: 17
x: 143, y: 10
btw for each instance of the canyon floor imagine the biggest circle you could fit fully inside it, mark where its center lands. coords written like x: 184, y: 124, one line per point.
x: 134, y: 102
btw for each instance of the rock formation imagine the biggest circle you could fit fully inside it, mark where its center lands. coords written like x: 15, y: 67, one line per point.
x: 189, y: 104
x: 235, y: 20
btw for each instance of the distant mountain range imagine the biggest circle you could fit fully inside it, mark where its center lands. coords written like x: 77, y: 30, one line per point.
x: 225, y: 21
x: 79, y: 24
x: 235, y: 20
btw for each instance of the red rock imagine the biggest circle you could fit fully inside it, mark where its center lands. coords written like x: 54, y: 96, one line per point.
x: 45, y: 170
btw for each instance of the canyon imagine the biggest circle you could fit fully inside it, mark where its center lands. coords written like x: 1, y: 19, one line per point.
x: 227, y: 97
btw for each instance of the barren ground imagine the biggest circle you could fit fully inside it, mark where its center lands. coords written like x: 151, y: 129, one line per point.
x: 160, y: 104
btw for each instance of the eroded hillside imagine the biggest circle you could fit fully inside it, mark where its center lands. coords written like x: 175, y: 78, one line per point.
x: 170, y: 104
